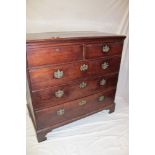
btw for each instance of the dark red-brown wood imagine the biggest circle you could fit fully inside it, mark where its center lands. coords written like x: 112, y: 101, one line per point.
x: 61, y: 37
x: 54, y: 55
x: 96, y: 50
x: 41, y: 134
x: 44, y: 77
x: 67, y: 52
x: 46, y: 97
x: 49, y: 116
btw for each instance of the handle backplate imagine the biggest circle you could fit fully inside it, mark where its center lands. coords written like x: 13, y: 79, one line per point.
x: 102, y: 82
x: 59, y: 93
x: 105, y: 48
x: 83, y: 85
x: 58, y: 74
x: 105, y: 65
x: 60, y: 112
x: 84, y: 67
x: 101, y: 98
x: 83, y: 102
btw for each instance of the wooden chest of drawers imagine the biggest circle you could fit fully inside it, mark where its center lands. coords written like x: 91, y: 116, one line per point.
x: 70, y: 76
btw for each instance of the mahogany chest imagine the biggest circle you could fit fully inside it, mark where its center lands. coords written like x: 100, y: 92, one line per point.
x: 70, y: 75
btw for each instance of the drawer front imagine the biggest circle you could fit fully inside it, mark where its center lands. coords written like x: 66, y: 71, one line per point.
x: 73, y: 109
x: 59, y: 74
x: 60, y: 94
x: 103, y: 50
x: 54, y: 55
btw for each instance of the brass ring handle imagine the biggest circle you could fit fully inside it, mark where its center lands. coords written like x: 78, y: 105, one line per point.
x: 105, y: 65
x: 103, y: 82
x: 101, y: 98
x: 83, y: 85
x: 105, y: 48
x: 84, y: 67
x: 83, y: 102
x: 60, y: 112
x: 59, y: 93
x: 58, y: 74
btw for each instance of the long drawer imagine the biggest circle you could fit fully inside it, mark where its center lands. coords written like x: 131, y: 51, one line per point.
x: 60, y: 94
x: 73, y: 109
x: 59, y: 74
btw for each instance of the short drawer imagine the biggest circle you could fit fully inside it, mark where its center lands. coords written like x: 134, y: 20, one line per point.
x: 73, y: 109
x: 60, y: 94
x: 54, y: 55
x: 60, y: 74
x: 103, y: 50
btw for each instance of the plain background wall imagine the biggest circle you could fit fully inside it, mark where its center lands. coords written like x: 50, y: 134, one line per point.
x: 83, y: 15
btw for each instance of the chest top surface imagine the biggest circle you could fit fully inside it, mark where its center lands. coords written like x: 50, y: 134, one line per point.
x: 56, y: 36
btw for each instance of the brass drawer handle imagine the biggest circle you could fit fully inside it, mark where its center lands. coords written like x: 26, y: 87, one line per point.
x: 103, y: 82
x: 60, y: 112
x: 84, y: 67
x: 101, y: 98
x: 83, y: 102
x: 105, y: 65
x: 83, y: 85
x: 58, y: 74
x: 105, y: 48
x: 59, y: 93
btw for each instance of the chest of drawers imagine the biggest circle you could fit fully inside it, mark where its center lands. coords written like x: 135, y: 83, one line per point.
x: 70, y: 75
